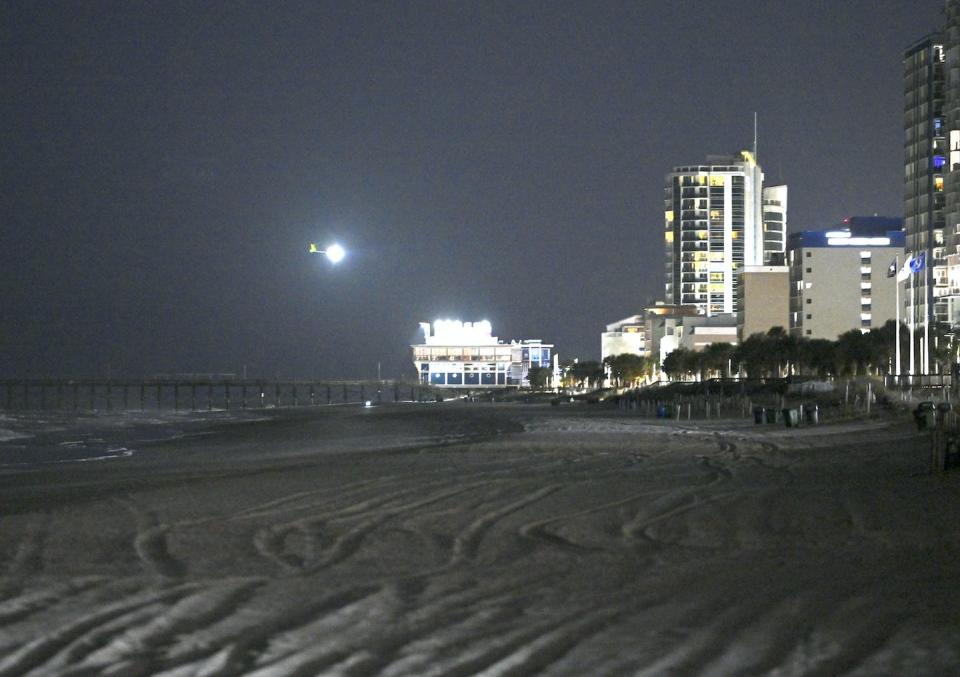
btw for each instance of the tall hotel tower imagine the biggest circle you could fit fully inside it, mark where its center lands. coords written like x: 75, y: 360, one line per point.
x: 719, y: 218
x: 925, y: 151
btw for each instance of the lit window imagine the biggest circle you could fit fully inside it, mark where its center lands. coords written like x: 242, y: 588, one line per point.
x: 938, y: 183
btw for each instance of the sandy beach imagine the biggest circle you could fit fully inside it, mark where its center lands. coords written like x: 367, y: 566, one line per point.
x: 473, y: 538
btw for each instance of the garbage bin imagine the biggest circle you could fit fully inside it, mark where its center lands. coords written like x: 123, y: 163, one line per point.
x: 812, y: 414
x: 771, y: 415
x: 791, y: 418
x: 925, y: 416
x: 758, y: 414
x: 661, y: 411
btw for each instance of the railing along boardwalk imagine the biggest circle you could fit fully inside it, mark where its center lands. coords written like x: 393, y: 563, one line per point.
x: 97, y: 394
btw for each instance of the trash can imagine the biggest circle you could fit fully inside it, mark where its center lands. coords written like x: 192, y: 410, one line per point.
x: 791, y: 418
x: 771, y: 415
x: 812, y: 414
x: 661, y: 411
x: 925, y: 416
x: 758, y: 414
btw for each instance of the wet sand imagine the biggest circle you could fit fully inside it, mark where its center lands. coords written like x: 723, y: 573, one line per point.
x: 462, y: 539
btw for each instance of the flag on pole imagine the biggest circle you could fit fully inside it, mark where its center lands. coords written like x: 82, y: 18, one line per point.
x: 904, y: 272
x: 918, y: 263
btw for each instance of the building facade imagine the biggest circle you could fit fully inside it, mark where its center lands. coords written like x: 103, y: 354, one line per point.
x: 764, y: 300
x: 950, y: 298
x: 714, y: 224
x: 839, y: 281
x: 458, y: 354
x: 925, y: 166
x: 628, y: 335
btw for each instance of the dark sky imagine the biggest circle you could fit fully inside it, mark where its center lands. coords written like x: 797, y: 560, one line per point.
x: 165, y: 166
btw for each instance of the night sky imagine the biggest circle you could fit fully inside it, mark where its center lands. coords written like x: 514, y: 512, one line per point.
x: 164, y: 166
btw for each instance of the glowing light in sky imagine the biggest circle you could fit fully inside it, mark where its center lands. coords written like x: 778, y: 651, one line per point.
x: 334, y: 252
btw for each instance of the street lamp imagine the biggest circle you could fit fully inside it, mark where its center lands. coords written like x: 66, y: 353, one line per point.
x: 334, y: 252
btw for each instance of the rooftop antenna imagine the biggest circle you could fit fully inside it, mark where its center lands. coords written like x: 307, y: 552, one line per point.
x: 755, y: 159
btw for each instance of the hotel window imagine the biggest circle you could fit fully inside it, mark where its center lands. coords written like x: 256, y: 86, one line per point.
x: 809, y: 254
x: 809, y: 316
x: 809, y: 301
x: 809, y: 270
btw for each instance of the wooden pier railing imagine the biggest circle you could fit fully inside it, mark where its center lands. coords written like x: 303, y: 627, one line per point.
x: 198, y: 393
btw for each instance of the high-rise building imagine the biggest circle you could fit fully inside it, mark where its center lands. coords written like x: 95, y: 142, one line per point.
x: 925, y: 156
x: 951, y: 176
x: 718, y: 219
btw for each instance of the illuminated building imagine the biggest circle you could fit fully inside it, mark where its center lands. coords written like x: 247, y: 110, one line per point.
x: 838, y: 277
x: 950, y: 186
x: 925, y: 157
x: 626, y: 336
x: 714, y: 225
x: 458, y: 354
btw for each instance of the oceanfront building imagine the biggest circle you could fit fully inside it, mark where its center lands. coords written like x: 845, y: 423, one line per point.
x: 764, y: 300
x: 925, y: 160
x: 719, y: 218
x: 839, y: 278
x: 626, y: 336
x: 458, y: 354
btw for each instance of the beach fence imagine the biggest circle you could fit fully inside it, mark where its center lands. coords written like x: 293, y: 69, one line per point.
x: 195, y: 394
x: 793, y: 401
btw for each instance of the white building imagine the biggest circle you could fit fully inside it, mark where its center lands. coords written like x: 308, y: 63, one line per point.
x: 714, y: 225
x: 696, y: 333
x: 628, y: 335
x: 458, y: 354
x: 839, y: 280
